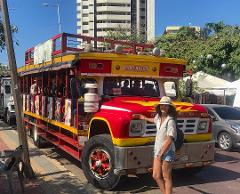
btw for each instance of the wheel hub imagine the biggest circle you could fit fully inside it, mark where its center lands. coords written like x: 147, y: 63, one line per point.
x: 225, y: 141
x: 100, y: 163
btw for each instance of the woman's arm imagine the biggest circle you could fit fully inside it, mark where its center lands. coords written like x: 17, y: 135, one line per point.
x: 171, y: 134
x: 142, y: 117
x: 166, y: 145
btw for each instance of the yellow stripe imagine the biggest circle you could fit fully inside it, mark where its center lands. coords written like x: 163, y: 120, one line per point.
x: 130, y: 57
x: 64, y: 58
x: 106, y: 56
x: 133, y: 141
x: 149, y: 103
x: 102, y: 119
x: 144, y: 140
x: 198, y: 137
x: 126, y: 141
x: 56, y: 123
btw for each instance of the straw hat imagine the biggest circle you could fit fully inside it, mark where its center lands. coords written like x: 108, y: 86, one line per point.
x: 166, y: 100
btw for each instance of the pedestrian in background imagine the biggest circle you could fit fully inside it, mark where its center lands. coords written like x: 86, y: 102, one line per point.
x: 164, y: 149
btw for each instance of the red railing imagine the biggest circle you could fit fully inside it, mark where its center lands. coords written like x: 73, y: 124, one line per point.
x: 62, y: 43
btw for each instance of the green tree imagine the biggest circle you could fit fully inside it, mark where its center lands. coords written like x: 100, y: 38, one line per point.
x: 215, y: 45
x: 2, y: 38
x: 127, y: 34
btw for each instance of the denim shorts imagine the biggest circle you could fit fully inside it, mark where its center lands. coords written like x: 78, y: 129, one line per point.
x: 169, y: 156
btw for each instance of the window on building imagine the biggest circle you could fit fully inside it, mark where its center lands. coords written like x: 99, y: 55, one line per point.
x: 8, y: 89
x: 85, y: 7
x: 85, y: 23
x: 85, y: 15
x: 113, y: 13
x: 85, y: 31
x: 114, y: 4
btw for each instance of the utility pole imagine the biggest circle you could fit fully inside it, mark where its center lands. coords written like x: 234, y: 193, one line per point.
x: 15, y: 89
x: 95, y: 23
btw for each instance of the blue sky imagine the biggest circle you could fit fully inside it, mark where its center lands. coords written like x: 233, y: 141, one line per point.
x: 37, y: 23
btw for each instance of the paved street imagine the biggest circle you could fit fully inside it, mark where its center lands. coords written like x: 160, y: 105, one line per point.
x: 220, y: 178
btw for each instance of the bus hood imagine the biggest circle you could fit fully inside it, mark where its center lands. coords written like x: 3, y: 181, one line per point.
x: 141, y: 105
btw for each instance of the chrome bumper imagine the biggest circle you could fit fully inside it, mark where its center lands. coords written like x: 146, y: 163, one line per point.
x: 137, y: 160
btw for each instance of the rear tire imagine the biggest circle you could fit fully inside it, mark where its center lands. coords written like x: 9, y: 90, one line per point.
x: 9, y: 120
x: 225, y: 141
x: 37, y: 139
x: 5, y: 115
x: 98, y: 162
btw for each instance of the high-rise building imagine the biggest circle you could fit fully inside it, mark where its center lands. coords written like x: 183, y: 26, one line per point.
x: 97, y: 17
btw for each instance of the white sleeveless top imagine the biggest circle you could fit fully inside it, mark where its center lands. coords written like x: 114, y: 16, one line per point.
x: 168, y: 128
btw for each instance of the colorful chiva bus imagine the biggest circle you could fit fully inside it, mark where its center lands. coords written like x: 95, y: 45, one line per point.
x: 84, y: 101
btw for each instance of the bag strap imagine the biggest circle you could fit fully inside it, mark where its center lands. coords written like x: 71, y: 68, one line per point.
x: 167, y: 127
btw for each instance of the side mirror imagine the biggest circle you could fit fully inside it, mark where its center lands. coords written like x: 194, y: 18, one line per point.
x: 188, y: 87
x: 213, y: 118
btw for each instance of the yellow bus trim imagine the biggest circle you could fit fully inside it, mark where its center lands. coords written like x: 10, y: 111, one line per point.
x: 56, y: 123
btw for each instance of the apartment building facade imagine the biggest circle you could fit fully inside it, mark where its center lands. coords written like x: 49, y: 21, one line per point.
x: 97, y: 17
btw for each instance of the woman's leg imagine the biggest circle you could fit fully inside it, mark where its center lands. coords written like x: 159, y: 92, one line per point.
x: 157, y: 174
x: 167, y: 176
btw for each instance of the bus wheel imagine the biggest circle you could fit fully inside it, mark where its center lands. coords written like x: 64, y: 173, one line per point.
x: 8, y: 119
x: 37, y: 140
x: 5, y: 115
x: 98, y: 162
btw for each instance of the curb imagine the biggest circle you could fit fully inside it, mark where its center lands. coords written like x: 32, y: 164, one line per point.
x: 52, y: 175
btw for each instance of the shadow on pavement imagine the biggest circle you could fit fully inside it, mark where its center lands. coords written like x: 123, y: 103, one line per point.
x: 210, y: 174
x: 63, y: 183
x: 207, y: 175
x: 219, y: 157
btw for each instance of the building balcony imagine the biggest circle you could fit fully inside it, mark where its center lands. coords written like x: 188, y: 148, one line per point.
x: 113, y: 17
x: 114, y: 9
x: 113, y: 25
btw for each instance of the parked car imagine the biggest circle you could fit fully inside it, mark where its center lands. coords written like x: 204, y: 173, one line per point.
x: 226, y: 125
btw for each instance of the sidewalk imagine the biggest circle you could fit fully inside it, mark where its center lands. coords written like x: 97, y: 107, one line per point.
x: 51, y: 176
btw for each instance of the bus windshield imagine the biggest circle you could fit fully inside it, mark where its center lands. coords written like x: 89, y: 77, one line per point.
x: 115, y: 86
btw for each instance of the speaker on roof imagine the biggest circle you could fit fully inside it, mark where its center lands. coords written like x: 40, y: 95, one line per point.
x: 156, y: 52
x: 118, y: 48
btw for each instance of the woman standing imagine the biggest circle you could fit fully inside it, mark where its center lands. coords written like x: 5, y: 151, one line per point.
x: 164, y: 149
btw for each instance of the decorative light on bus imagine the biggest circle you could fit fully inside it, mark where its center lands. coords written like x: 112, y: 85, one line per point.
x: 171, y: 69
x: 96, y: 66
x: 154, y: 69
x: 117, y: 67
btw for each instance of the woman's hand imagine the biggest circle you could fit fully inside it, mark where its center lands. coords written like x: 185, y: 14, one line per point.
x: 159, y: 156
x: 142, y: 117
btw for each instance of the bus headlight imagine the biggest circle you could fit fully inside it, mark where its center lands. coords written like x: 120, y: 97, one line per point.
x: 202, y: 125
x: 136, y: 128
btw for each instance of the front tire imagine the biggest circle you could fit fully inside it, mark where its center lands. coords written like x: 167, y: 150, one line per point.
x: 98, y: 162
x: 225, y: 141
